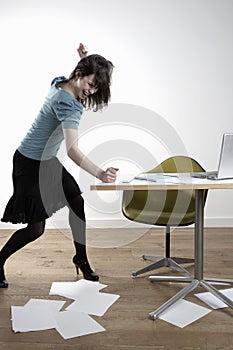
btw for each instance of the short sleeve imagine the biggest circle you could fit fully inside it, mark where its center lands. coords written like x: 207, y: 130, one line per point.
x: 57, y: 79
x: 67, y: 112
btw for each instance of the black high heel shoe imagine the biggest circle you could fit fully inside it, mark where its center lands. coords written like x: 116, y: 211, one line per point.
x: 3, y: 281
x: 84, y: 266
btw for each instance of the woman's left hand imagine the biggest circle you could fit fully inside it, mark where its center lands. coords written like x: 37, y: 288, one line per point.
x: 82, y: 50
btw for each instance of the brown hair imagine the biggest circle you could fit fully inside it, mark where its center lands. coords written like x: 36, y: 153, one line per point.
x: 102, y: 69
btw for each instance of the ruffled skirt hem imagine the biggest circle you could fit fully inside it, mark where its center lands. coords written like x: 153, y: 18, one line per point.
x: 22, y: 210
x: 41, y: 188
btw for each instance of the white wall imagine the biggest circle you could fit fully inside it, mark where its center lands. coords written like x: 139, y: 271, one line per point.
x: 172, y: 58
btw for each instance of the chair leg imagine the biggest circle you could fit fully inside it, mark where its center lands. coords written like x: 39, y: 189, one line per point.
x: 163, y: 262
x: 182, y: 260
x: 154, y: 266
x: 166, y: 261
x: 168, y: 241
x: 178, y: 260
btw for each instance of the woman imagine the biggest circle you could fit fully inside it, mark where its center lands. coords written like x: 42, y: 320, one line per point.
x: 41, y: 184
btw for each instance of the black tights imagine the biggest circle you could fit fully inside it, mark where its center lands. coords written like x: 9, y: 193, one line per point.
x: 20, y: 238
x: 34, y: 230
x: 77, y: 223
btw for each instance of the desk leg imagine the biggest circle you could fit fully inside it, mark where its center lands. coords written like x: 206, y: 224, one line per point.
x: 216, y: 293
x: 199, y: 238
x: 180, y: 295
x: 198, y: 269
x: 199, y: 224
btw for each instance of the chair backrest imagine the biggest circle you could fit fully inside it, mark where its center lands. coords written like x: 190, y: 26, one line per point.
x: 173, y: 207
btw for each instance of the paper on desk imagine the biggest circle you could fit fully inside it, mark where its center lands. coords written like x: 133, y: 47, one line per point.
x: 74, y: 324
x: 154, y: 177
x: 124, y: 177
x: 214, y: 302
x: 158, y: 177
x: 73, y: 290
x: 97, y: 305
x: 183, y: 313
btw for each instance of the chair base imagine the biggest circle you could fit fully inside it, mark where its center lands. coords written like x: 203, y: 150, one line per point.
x: 172, y: 262
x: 194, y: 283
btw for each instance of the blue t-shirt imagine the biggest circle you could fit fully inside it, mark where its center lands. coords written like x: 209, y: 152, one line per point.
x: 60, y: 110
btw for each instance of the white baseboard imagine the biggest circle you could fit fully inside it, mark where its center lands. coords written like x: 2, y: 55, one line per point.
x: 124, y: 223
x: 95, y: 223
x: 219, y: 222
x: 117, y: 223
x: 99, y: 223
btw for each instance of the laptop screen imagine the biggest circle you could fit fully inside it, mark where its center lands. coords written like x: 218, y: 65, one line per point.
x: 225, y: 168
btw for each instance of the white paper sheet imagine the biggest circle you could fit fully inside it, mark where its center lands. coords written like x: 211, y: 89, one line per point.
x: 157, y: 177
x: 54, y: 305
x: 125, y: 177
x: 97, y: 304
x: 184, y: 313
x: 73, y: 290
x: 74, y: 324
x: 26, y: 319
x: 211, y: 300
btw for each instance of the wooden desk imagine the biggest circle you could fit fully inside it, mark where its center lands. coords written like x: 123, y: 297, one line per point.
x: 182, y: 182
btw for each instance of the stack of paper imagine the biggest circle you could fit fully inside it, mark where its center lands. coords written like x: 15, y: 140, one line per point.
x: 39, y: 314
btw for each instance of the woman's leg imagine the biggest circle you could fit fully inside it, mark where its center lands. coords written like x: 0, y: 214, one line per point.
x: 77, y: 223
x: 17, y: 241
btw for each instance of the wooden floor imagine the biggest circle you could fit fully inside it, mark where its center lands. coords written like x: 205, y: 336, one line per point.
x: 114, y: 254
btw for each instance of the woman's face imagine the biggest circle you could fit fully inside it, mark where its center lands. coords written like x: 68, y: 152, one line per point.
x: 85, y: 86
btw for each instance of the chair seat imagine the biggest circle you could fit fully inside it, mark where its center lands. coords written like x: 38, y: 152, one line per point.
x: 163, y: 208
x: 151, y: 217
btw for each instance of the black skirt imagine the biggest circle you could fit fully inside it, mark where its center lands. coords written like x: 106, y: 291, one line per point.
x: 40, y: 189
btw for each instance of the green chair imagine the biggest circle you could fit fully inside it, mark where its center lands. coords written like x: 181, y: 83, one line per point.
x: 171, y: 208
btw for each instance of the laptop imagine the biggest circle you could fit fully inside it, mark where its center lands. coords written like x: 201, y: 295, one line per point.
x: 225, y: 166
